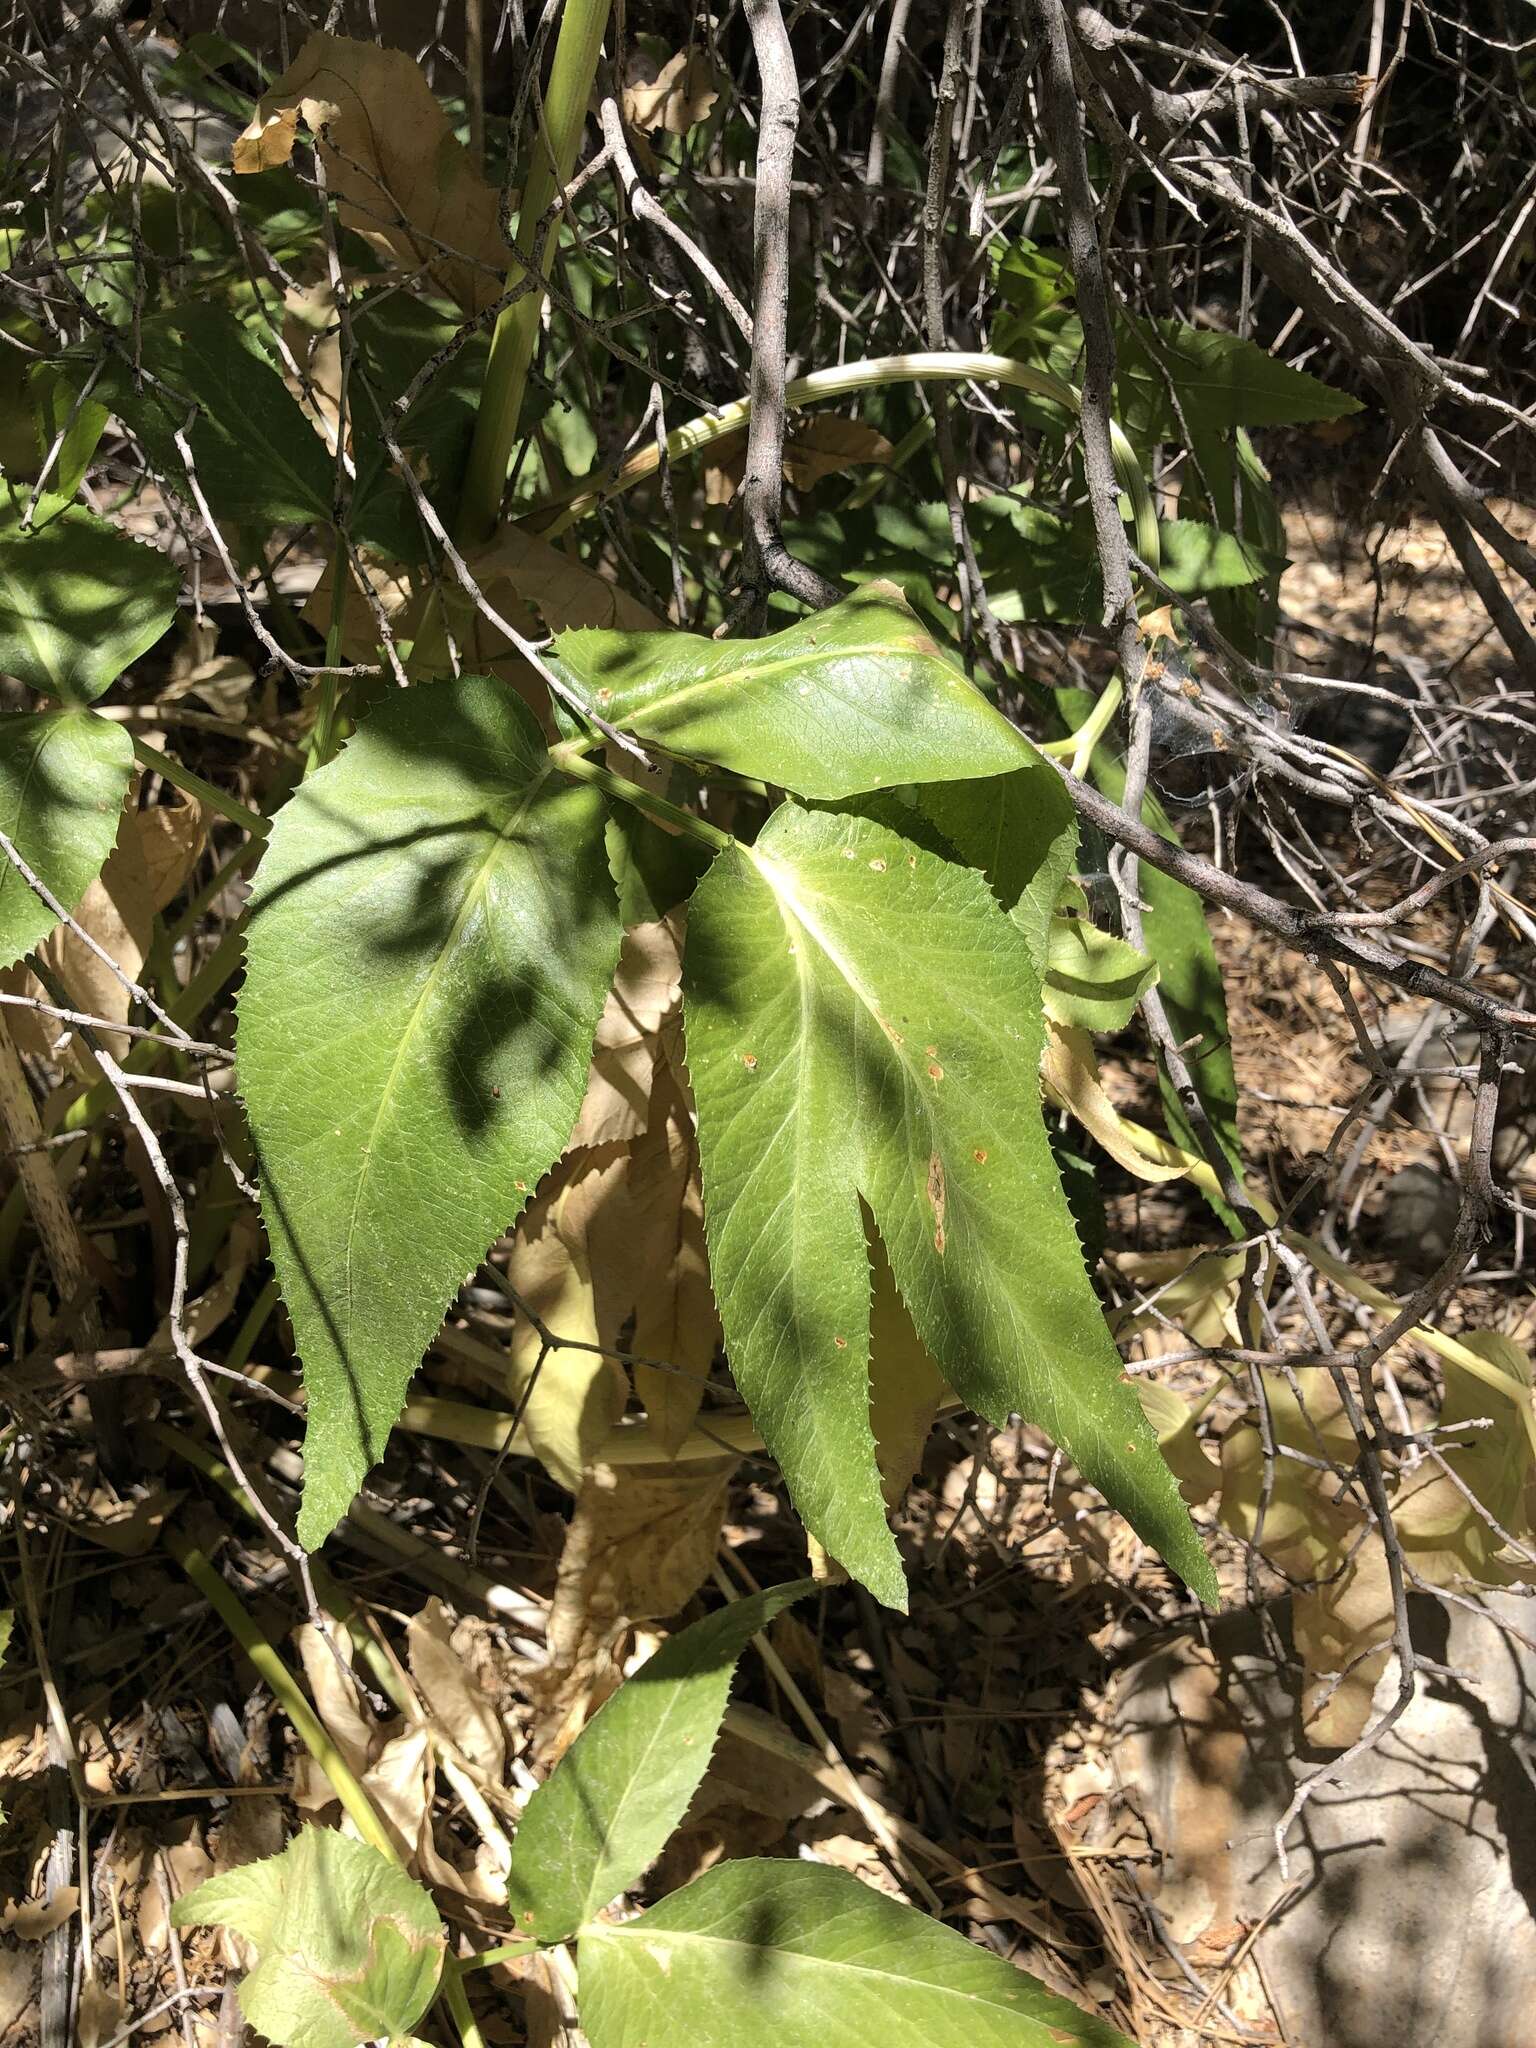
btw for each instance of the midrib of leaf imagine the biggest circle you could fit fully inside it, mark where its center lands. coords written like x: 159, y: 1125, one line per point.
x: 472, y: 898
x: 751, y: 672
x: 650, y: 1937
x: 784, y: 892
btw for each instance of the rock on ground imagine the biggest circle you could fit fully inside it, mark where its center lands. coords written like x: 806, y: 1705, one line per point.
x: 1408, y: 1916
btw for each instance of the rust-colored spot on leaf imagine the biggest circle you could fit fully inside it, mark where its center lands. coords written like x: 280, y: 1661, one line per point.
x: 878, y: 865
x: 932, y: 1051
x: 935, y: 1071
x: 521, y: 1186
x: 841, y: 1343
x: 749, y: 1061
x: 605, y: 696
x: 938, y: 1199
x: 980, y: 1155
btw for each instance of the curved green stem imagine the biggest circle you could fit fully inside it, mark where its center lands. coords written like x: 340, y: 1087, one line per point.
x: 926, y: 366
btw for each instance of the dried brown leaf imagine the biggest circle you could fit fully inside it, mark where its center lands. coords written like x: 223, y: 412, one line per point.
x: 449, y: 1691
x: 679, y: 96
x: 641, y: 1026
x: 400, y: 175
x: 639, y: 1546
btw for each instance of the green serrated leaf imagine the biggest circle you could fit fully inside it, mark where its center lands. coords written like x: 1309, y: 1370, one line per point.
x: 79, y: 600
x: 257, y: 457
x: 349, y: 1948
x: 606, y: 1811
x: 863, y: 1018
x: 432, y: 936
x: 63, y: 777
x: 1198, y: 559
x: 1020, y: 830
x: 1217, y: 380
x: 1093, y: 980
x: 856, y: 698
x: 762, y: 1954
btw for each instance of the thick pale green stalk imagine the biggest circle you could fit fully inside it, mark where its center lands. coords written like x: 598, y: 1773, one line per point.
x: 924, y: 366
x: 554, y: 157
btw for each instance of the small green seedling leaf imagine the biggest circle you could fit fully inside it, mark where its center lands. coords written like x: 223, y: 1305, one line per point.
x: 607, y: 1809
x: 79, y: 600
x: 63, y: 777
x: 762, y: 1954
x: 432, y: 936
x: 348, y: 1947
x: 864, y: 1019
x: 856, y: 698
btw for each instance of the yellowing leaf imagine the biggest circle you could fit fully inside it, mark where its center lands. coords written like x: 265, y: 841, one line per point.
x: 391, y: 158
x: 905, y: 1386
x: 1070, y: 1076
x: 1174, y: 1421
x: 348, y: 1946
x: 1194, y: 1289
x: 570, y: 1397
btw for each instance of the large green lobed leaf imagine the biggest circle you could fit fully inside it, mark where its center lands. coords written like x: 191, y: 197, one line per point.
x: 856, y: 698
x: 761, y: 1954
x: 348, y: 1947
x: 863, y: 1018
x: 605, y: 1812
x: 432, y: 936
x: 63, y: 777
x: 79, y: 600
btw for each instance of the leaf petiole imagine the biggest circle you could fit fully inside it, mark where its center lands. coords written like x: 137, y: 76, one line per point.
x: 571, y: 759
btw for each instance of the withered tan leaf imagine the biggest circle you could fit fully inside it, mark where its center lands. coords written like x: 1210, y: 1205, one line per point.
x: 640, y: 1544
x: 450, y: 1693
x: 824, y: 444
x: 401, y: 176
x: 571, y: 1395
x: 641, y: 1026
x: 676, y: 99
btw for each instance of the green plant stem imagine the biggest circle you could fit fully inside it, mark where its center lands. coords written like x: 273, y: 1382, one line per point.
x: 206, y: 792
x: 836, y: 382
x: 510, y: 1952
x: 571, y: 761
x: 286, y: 1690
x: 1079, y: 745
x: 553, y: 158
